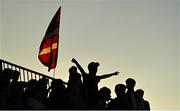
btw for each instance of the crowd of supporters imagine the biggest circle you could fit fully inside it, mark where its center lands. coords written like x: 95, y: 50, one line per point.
x: 80, y: 92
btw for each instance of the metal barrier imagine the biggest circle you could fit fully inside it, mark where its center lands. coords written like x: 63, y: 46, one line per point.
x: 25, y: 74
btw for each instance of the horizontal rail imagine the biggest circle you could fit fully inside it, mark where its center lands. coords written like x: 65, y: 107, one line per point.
x: 23, y: 68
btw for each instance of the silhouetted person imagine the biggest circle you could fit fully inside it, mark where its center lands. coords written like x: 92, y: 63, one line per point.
x: 142, y: 104
x: 32, y: 96
x: 6, y: 76
x: 75, y: 89
x: 120, y: 102
x: 42, y: 92
x: 58, y: 98
x: 131, y: 95
x: 91, y: 81
x: 104, y: 95
x: 16, y: 97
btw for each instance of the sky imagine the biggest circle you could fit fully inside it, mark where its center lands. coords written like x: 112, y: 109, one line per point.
x: 139, y: 38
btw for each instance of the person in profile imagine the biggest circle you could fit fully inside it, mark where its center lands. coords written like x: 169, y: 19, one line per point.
x: 90, y: 82
x: 142, y: 104
x: 75, y: 89
x: 120, y: 102
x: 131, y: 95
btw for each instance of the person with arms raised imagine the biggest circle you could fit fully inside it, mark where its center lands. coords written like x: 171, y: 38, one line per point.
x: 90, y: 82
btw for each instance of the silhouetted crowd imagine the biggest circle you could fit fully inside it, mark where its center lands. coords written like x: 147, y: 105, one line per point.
x: 80, y: 92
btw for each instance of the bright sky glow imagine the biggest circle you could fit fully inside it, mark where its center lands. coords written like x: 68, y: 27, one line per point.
x: 139, y: 38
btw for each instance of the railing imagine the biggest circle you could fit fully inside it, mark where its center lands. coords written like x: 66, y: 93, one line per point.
x: 25, y: 74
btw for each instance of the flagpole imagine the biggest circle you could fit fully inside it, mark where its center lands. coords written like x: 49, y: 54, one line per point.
x: 54, y: 72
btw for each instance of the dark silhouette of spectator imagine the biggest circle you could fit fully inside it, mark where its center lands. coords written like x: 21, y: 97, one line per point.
x: 8, y: 73
x: 6, y: 76
x: 75, y: 89
x: 91, y: 81
x: 58, y: 98
x: 142, y: 104
x: 16, y: 97
x: 32, y: 100
x: 42, y: 92
x: 15, y: 77
x: 120, y: 102
x: 104, y: 95
x: 131, y: 95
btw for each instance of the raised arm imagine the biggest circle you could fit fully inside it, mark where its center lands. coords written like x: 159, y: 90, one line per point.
x: 79, y: 67
x: 108, y: 75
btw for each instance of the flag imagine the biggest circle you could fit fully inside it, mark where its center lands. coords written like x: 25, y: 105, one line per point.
x: 48, y: 51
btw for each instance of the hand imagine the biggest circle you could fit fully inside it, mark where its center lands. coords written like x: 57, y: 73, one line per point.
x: 73, y: 60
x: 116, y: 73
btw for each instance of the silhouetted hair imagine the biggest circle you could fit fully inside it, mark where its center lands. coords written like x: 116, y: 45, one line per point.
x: 120, y: 88
x: 140, y: 92
x: 104, y: 92
x: 72, y: 69
x: 57, y: 84
x: 16, y: 75
x: 93, y: 65
x: 130, y: 83
x: 7, y: 73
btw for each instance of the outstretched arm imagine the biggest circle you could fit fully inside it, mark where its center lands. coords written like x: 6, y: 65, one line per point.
x: 79, y: 66
x: 108, y: 75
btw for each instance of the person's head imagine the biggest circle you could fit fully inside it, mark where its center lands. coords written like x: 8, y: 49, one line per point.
x: 7, y: 72
x: 73, y: 74
x: 105, y: 93
x: 43, y: 82
x: 130, y: 83
x: 92, y: 67
x: 16, y: 75
x: 57, y: 84
x: 140, y: 93
x: 120, y: 89
x: 72, y: 70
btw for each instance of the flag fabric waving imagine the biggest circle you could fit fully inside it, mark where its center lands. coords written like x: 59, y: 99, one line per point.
x: 48, y: 51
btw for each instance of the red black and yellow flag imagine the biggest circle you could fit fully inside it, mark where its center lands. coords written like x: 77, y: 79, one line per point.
x: 48, y: 51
